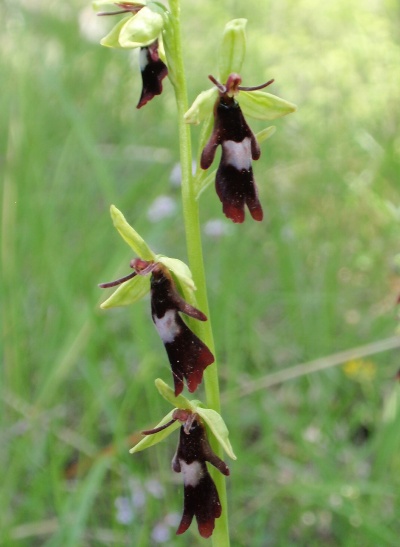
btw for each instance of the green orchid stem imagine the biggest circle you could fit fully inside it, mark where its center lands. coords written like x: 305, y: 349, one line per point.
x: 220, y: 537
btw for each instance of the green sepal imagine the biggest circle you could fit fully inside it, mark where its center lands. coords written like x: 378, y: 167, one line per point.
x: 132, y: 238
x: 150, y: 440
x: 201, y: 107
x: 128, y: 293
x: 233, y: 48
x: 264, y: 106
x: 179, y: 269
x: 143, y: 28
x: 169, y: 395
x: 112, y: 38
x: 218, y: 428
x: 265, y: 134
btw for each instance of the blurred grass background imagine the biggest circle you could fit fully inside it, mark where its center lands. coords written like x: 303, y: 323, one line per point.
x: 318, y: 450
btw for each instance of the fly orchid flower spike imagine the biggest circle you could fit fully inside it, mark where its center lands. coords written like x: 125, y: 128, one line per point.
x: 201, y: 498
x: 141, y: 28
x: 187, y: 354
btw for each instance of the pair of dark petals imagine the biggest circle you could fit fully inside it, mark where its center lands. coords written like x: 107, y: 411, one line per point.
x: 153, y: 71
x: 235, y: 184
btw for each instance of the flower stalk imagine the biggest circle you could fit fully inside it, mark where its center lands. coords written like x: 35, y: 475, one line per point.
x: 220, y: 536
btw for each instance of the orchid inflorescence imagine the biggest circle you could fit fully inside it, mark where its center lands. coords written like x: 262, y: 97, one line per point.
x: 147, y: 26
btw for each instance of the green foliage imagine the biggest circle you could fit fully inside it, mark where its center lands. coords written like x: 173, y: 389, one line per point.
x: 318, y: 456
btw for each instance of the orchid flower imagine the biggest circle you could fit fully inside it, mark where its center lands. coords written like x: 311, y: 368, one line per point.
x: 187, y: 354
x: 201, y: 499
x: 234, y: 178
x: 141, y: 28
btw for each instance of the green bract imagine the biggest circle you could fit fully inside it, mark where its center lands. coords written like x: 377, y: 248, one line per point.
x: 132, y: 290
x: 213, y: 420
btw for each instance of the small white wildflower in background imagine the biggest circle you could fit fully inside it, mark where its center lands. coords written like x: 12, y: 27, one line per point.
x: 138, y: 497
x: 308, y: 518
x: 162, y: 207
x: 91, y: 28
x: 335, y: 500
x: 287, y: 233
x: 217, y: 228
x: 155, y: 488
x: 160, y: 533
x: 172, y: 519
x: 176, y: 174
x: 356, y: 520
x: 125, y: 514
x: 312, y: 434
x: 138, y: 494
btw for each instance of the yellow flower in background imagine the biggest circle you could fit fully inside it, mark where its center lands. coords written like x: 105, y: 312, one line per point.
x: 360, y: 370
